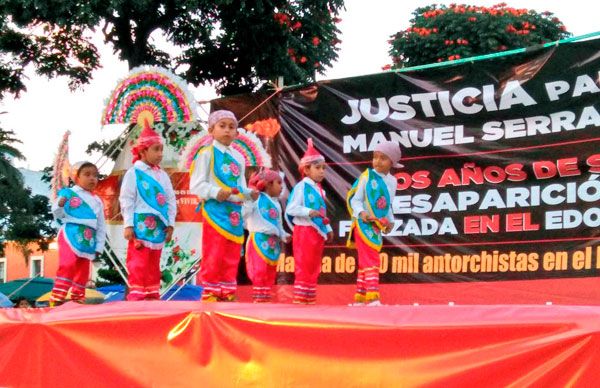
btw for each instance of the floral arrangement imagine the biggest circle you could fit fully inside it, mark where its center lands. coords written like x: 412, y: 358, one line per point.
x: 176, y: 261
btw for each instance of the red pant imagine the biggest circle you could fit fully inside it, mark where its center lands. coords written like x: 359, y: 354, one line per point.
x: 219, y: 265
x: 367, y: 283
x: 308, y: 247
x: 261, y: 273
x: 143, y: 265
x: 73, y: 273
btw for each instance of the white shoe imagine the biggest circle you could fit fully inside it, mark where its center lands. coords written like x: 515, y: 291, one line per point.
x: 374, y: 303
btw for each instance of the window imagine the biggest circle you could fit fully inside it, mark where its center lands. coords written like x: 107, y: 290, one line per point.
x: 2, y: 269
x: 36, y: 266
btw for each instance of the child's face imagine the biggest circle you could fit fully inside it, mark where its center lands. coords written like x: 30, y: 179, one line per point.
x: 381, y: 163
x: 23, y: 304
x: 224, y: 131
x: 152, y: 155
x: 87, y: 178
x: 315, y: 171
x: 274, y: 188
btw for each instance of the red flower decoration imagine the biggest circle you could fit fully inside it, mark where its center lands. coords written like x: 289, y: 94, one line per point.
x: 160, y: 199
x: 87, y: 233
x: 272, y: 241
x: 234, y: 218
x: 235, y: 170
x: 381, y: 202
x: 150, y: 222
x: 75, y: 202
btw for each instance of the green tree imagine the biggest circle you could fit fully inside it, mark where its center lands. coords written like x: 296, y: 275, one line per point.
x: 440, y: 33
x: 24, y: 218
x: 233, y: 44
x: 52, y: 49
x: 8, y: 152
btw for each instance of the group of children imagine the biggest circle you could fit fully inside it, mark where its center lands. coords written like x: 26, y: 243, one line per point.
x: 228, y: 205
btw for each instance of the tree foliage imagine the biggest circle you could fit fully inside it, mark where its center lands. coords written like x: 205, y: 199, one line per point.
x: 233, y: 44
x: 440, y: 33
x: 52, y: 49
x: 24, y: 218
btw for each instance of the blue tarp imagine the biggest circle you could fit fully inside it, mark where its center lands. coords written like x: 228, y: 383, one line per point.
x: 116, y: 292
x: 4, y: 301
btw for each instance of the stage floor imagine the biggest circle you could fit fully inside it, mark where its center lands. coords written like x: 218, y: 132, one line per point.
x: 179, y: 344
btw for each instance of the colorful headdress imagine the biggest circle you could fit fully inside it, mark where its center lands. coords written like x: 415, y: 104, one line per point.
x: 246, y: 143
x: 148, y: 137
x: 391, y: 150
x: 150, y: 93
x: 217, y: 115
x: 61, y: 169
x: 260, y: 179
x: 310, y: 156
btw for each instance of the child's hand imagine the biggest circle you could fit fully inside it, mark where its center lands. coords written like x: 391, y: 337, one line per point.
x: 169, y: 233
x: 62, y: 201
x: 385, y: 223
x: 329, y: 236
x: 223, y: 194
x: 254, y: 195
x: 128, y: 233
x: 364, y: 216
x: 314, y: 214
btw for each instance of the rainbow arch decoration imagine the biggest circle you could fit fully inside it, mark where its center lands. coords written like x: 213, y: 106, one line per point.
x: 151, y: 93
x: 246, y: 143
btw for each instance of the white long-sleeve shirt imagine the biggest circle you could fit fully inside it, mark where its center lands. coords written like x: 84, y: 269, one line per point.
x: 99, y: 224
x: 296, y: 208
x: 202, y: 179
x: 131, y: 202
x: 255, y: 223
x: 358, y: 202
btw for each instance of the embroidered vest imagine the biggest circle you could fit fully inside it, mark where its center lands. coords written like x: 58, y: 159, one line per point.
x: 150, y: 227
x: 313, y: 200
x: 225, y: 217
x: 377, y: 204
x: 78, y: 230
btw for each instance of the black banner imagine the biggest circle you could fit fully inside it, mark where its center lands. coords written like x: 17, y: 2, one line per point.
x: 501, y: 176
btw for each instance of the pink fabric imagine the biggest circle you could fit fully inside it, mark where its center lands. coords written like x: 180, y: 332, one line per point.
x: 217, y: 115
x: 143, y: 265
x: 261, y: 274
x: 148, y: 137
x: 219, y: 265
x: 308, y: 247
x: 391, y: 150
x: 260, y: 179
x: 368, y: 267
x: 311, y: 155
x: 73, y: 273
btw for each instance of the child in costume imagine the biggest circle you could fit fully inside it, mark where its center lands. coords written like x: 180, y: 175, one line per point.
x: 82, y: 233
x: 263, y: 219
x: 307, y: 210
x: 217, y: 178
x: 370, y: 205
x: 148, y: 207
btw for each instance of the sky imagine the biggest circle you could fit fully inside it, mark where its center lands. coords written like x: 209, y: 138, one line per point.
x: 41, y: 115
